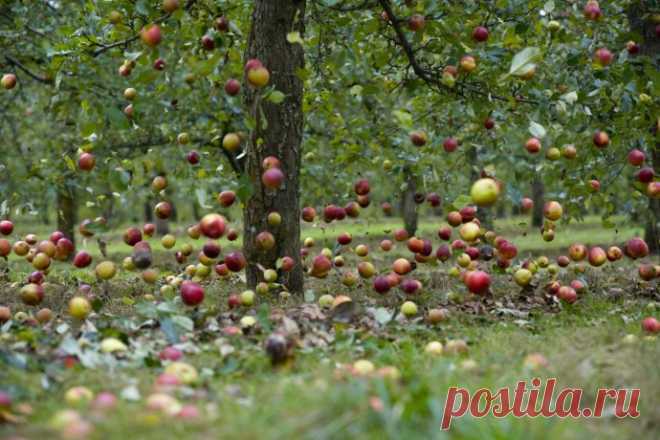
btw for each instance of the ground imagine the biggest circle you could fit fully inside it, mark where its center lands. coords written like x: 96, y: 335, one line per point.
x: 315, y: 394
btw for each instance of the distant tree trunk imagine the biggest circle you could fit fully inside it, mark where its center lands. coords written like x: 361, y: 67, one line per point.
x: 148, y: 211
x: 67, y: 212
x: 195, y: 211
x: 45, y: 218
x: 109, y: 205
x: 652, y: 229
x: 278, y: 132
x: 538, y: 191
x: 162, y: 226
x: 408, y: 205
x: 640, y: 18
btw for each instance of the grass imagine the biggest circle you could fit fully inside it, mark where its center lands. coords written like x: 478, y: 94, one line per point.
x: 241, y: 395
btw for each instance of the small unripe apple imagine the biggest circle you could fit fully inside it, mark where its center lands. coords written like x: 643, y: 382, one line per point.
x: 231, y: 142
x: 79, y: 307
x: 258, y: 77
x: 569, y: 151
x: 170, y: 6
x: 247, y: 298
x: 130, y: 93
x: 8, y: 81
x: 434, y: 348
x: 106, y: 270
x: 468, y: 63
x: 409, y: 309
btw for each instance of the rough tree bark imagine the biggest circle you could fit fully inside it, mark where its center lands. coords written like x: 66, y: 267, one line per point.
x: 639, y: 16
x: 538, y: 192
x: 278, y: 132
x: 67, y: 211
x: 408, y: 205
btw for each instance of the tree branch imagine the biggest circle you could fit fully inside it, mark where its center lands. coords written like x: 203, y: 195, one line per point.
x: 427, y: 75
x: 14, y: 62
x: 129, y: 40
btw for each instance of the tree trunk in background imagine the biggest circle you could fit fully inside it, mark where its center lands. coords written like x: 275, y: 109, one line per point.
x: 408, y: 205
x: 195, y: 211
x: 67, y: 212
x: 279, y: 135
x: 652, y: 229
x: 639, y: 15
x: 148, y: 211
x: 538, y: 191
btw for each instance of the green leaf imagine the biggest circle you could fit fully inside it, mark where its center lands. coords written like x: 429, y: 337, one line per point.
x: 276, y: 97
x: 524, y: 61
x: 537, y: 130
x: 294, y: 38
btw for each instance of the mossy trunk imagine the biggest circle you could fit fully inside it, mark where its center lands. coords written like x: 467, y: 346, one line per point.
x: 538, y: 194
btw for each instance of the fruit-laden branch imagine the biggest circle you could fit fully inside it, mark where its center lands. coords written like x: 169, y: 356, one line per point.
x: 426, y: 75
x: 129, y: 40
x: 14, y: 62
x: 144, y: 144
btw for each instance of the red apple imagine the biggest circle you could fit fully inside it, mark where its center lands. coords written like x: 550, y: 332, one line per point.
x: 361, y: 187
x: 416, y: 22
x: 6, y: 227
x: 533, y: 145
x: 272, y: 178
x: 151, y: 35
x: 636, y: 248
x: 477, y: 282
x: 132, y: 235
x: 381, y: 284
x: 227, y: 198
x: 86, y: 161
x: 450, y: 144
x: 480, y: 33
x: 308, y: 214
x: 232, y: 87
x: 601, y: 139
x: 163, y: 210
x: 636, y: 157
x: 8, y: 81
x: 213, y: 225
x: 222, y: 24
x: 651, y: 325
x: 592, y: 10
x: 603, y: 56
x: 235, y: 261
x: 645, y: 175
x: 82, y: 259
x: 192, y: 294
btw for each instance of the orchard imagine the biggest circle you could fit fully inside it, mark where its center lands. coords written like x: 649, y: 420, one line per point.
x: 311, y: 218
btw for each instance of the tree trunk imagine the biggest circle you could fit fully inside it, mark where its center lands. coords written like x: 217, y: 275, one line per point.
x: 278, y: 132
x: 408, y: 205
x: 538, y: 191
x: 67, y: 212
x: 640, y: 18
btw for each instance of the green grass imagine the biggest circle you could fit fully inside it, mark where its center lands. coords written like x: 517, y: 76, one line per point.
x: 241, y: 395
